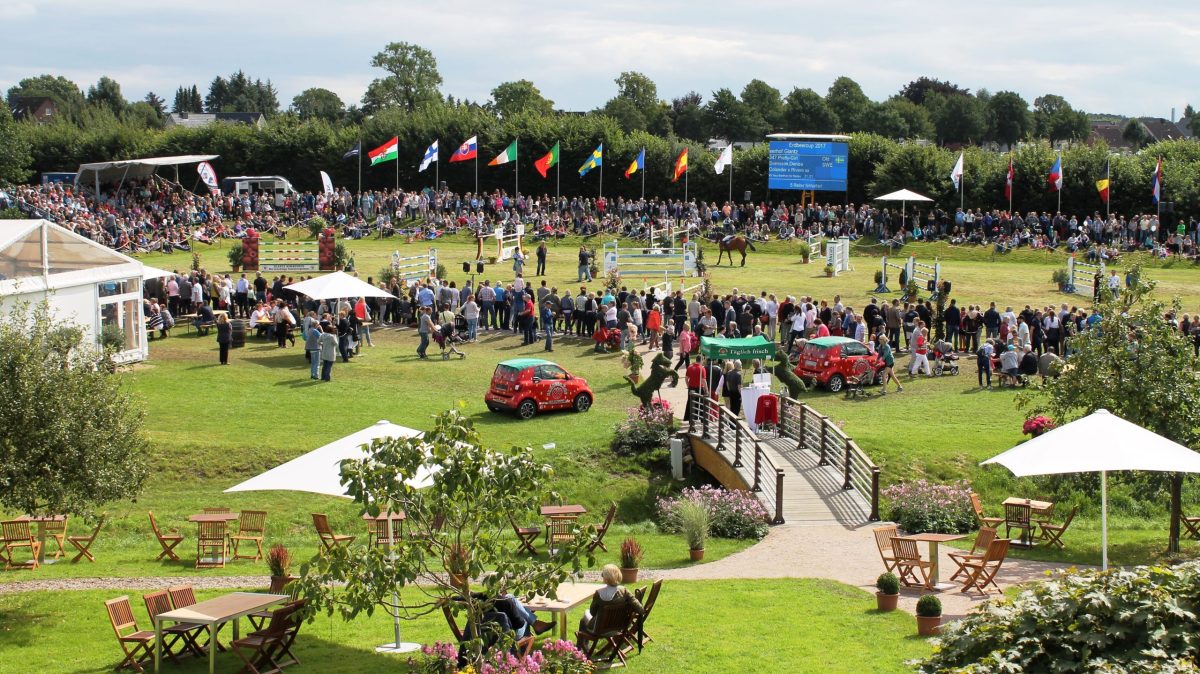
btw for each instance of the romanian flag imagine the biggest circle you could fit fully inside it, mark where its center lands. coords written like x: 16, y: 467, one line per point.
x: 1103, y: 183
x: 385, y: 152
x: 680, y: 165
x: 549, y: 159
x: 637, y: 164
x: 596, y: 159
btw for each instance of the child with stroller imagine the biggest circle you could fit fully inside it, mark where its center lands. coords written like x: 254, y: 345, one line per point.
x: 446, y: 336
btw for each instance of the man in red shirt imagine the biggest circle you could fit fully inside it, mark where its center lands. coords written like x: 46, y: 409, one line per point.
x: 694, y: 375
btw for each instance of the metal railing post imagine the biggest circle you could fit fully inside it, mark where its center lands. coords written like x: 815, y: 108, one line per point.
x: 757, y: 463
x: 874, y: 516
x: 720, y: 429
x: 824, y: 433
x: 778, y: 496
x: 691, y: 409
x: 803, y: 416
x: 737, y: 446
x: 846, y: 467
x: 702, y: 408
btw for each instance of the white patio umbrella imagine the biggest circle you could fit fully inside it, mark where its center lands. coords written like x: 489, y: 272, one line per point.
x: 1100, y: 442
x: 903, y: 196
x: 336, y: 285
x: 319, y: 472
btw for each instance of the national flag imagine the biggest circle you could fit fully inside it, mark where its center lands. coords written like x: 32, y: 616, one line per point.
x: 1008, y: 181
x: 596, y: 159
x: 724, y: 160
x: 509, y: 154
x: 1157, y: 193
x: 1056, y: 175
x: 548, y: 160
x: 637, y: 164
x: 1102, y: 185
x: 353, y: 152
x: 680, y: 165
x: 386, y: 152
x: 956, y: 173
x: 468, y: 150
x: 431, y: 155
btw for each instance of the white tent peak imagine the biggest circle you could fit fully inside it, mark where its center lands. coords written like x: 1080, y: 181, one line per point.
x: 903, y: 195
x: 337, y: 285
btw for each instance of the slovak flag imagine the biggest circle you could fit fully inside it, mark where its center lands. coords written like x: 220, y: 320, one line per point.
x: 1158, y: 181
x: 1056, y: 175
x: 468, y: 150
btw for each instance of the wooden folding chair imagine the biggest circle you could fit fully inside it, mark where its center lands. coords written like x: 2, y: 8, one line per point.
x: 56, y: 530
x: 211, y: 539
x: 982, y: 540
x: 284, y: 585
x: 984, y: 520
x: 598, y: 542
x: 15, y: 535
x: 982, y: 572
x: 1052, y: 533
x: 647, y: 606
x: 559, y: 530
x: 138, y: 645
x: 1017, y: 516
x: 608, y: 635
x: 1192, y: 525
x: 168, y: 542
x: 284, y: 647
x: 883, y: 541
x: 909, y: 563
x: 383, y: 533
x: 526, y: 536
x: 160, y: 602
x: 215, y: 511
x: 84, y: 543
x: 183, y: 596
x: 260, y: 644
x: 329, y: 539
x: 252, y: 525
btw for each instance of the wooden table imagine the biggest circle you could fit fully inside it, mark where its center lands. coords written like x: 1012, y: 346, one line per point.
x: 213, y: 613
x: 389, y: 517
x: 563, y: 511
x: 933, y: 540
x: 41, y: 521
x: 570, y: 595
x: 1043, y: 508
x: 215, y: 517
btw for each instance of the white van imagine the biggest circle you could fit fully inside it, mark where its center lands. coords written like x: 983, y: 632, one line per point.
x: 277, y: 185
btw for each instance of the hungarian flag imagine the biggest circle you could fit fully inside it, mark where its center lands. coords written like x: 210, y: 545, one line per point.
x: 385, y: 152
x: 1157, y: 193
x: 1056, y: 175
x: 1008, y: 181
x: 680, y: 165
x: 468, y: 150
x: 549, y: 159
x: 1103, y: 184
x: 637, y: 164
x: 509, y: 154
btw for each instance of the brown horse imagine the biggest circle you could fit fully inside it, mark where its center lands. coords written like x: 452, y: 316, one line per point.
x: 729, y: 244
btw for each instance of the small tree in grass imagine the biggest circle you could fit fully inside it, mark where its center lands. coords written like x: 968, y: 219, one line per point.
x: 474, y: 494
x: 1137, y: 366
x: 70, y: 435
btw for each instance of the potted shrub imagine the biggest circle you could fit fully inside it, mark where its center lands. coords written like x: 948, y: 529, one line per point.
x: 279, y: 561
x: 235, y: 257
x: 631, y: 557
x: 829, y: 270
x: 633, y: 360
x: 458, y: 564
x: 912, y: 291
x: 878, y: 276
x: 805, y: 251
x: 888, y: 592
x: 929, y: 615
x: 1060, y: 278
x: 694, y: 523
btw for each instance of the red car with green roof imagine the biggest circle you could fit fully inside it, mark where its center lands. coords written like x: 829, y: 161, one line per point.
x: 829, y: 361
x: 528, y: 386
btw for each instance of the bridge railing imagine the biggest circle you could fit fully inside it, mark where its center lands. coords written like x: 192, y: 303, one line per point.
x: 814, y: 432
x: 729, y: 434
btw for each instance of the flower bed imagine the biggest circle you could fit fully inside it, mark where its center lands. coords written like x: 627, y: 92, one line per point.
x: 554, y: 657
x: 732, y: 514
x: 644, y: 430
x: 926, y: 507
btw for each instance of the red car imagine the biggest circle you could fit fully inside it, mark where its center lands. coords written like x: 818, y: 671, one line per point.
x: 531, y: 385
x: 830, y: 361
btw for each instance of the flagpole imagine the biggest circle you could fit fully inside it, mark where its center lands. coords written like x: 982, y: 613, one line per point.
x: 437, y: 169
x: 1108, y: 201
x: 516, y: 172
x: 1010, y: 178
x: 359, y: 164
x: 643, y: 173
x: 601, y: 173
x: 558, y: 176
x: 477, y: 168
x: 1060, y: 179
x: 731, y: 175
x: 1158, y: 202
x: 397, y: 160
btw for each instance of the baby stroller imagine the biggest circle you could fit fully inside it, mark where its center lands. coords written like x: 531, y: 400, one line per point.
x: 606, y: 340
x: 945, y: 360
x: 446, y: 338
x: 862, y: 374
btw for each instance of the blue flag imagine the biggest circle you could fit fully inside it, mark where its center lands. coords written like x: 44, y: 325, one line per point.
x: 597, y: 159
x: 353, y: 152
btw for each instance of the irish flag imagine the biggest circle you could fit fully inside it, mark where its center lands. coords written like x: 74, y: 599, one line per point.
x: 509, y: 154
x: 386, y: 152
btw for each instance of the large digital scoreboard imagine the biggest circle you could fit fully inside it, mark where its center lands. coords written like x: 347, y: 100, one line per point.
x: 808, y: 165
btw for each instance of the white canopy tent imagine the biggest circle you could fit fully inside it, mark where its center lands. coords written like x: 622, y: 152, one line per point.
x: 119, y: 171
x: 1100, y: 442
x: 903, y: 196
x: 336, y: 285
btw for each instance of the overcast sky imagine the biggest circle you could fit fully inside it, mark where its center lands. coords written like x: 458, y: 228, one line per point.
x: 1103, y: 56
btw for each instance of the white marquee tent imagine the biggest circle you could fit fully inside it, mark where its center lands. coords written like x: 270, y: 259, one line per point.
x: 92, y: 175
x: 337, y: 285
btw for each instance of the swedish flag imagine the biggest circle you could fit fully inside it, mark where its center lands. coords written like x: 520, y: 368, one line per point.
x: 597, y: 159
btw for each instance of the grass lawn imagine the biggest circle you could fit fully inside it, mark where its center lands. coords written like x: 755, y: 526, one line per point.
x: 712, y: 626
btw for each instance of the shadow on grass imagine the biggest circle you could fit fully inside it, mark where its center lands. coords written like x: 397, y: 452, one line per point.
x: 21, y: 627
x: 282, y: 360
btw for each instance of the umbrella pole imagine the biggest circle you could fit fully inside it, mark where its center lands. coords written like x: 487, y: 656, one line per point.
x: 396, y: 646
x: 1104, y: 520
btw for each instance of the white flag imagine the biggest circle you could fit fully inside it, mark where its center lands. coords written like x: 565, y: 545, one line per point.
x: 724, y: 160
x: 326, y: 182
x: 431, y: 155
x: 957, y: 172
x: 208, y: 176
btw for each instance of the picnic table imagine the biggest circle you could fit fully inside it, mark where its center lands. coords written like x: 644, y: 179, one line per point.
x: 570, y: 595
x: 933, y: 540
x: 214, y: 517
x: 1043, y: 508
x: 563, y: 510
x: 394, y: 532
x: 41, y: 521
x: 213, y: 613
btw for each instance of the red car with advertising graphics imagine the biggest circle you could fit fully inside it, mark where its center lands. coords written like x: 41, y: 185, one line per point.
x: 830, y: 361
x: 531, y: 385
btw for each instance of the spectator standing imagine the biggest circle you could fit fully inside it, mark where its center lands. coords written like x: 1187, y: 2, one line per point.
x: 328, y: 351
x: 224, y: 337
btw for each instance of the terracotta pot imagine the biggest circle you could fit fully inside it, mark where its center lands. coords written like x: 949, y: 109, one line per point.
x: 805, y: 259
x: 886, y: 602
x: 928, y: 626
x: 696, y: 555
x: 629, y: 575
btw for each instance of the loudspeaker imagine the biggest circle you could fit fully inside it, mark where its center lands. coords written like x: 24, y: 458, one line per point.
x: 746, y: 197
x: 479, y: 266
x: 466, y: 267
x: 931, y: 285
x: 945, y: 287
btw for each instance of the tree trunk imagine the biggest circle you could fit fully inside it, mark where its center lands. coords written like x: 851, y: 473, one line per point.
x: 1176, y: 511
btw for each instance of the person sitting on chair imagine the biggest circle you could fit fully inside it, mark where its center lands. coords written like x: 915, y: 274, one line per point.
x: 612, y: 594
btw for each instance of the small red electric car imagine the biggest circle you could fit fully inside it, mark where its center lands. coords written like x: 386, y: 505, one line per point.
x: 531, y: 385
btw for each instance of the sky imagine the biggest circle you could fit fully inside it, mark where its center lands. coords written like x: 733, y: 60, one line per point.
x: 1134, y: 59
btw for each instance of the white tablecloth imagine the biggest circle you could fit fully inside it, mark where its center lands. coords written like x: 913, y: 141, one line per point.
x: 750, y: 396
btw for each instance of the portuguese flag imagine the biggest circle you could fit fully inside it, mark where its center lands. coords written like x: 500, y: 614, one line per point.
x: 550, y: 159
x: 385, y: 152
x: 509, y: 154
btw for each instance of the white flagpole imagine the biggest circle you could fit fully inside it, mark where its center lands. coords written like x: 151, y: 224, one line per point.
x: 359, y: 163
x: 602, y: 173
x: 516, y: 172
x: 476, y: 167
x: 1060, y: 179
x: 1108, y: 201
x: 643, y: 170
x: 962, y: 188
x: 731, y: 175
x: 558, y: 176
x: 437, y: 170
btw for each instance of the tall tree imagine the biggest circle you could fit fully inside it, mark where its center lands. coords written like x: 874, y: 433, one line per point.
x: 241, y: 94
x: 847, y: 100
x: 688, y: 118
x: 1054, y: 119
x: 65, y: 93
x: 1136, y: 134
x: 15, y: 157
x: 106, y: 93
x: 318, y: 103
x: 157, y: 103
x: 731, y: 119
x: 1193, y: 121
x: 885, y: 120
x: 636, y: 105
x: 807, y: 112
x: 920, y: 88
x: 1009, y: 119
x: 413, y: 79
x: 916, y: 117
x: 509, y: 98
x: 765, y: 103
x: 187, y: 100
x: 957, y: 118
